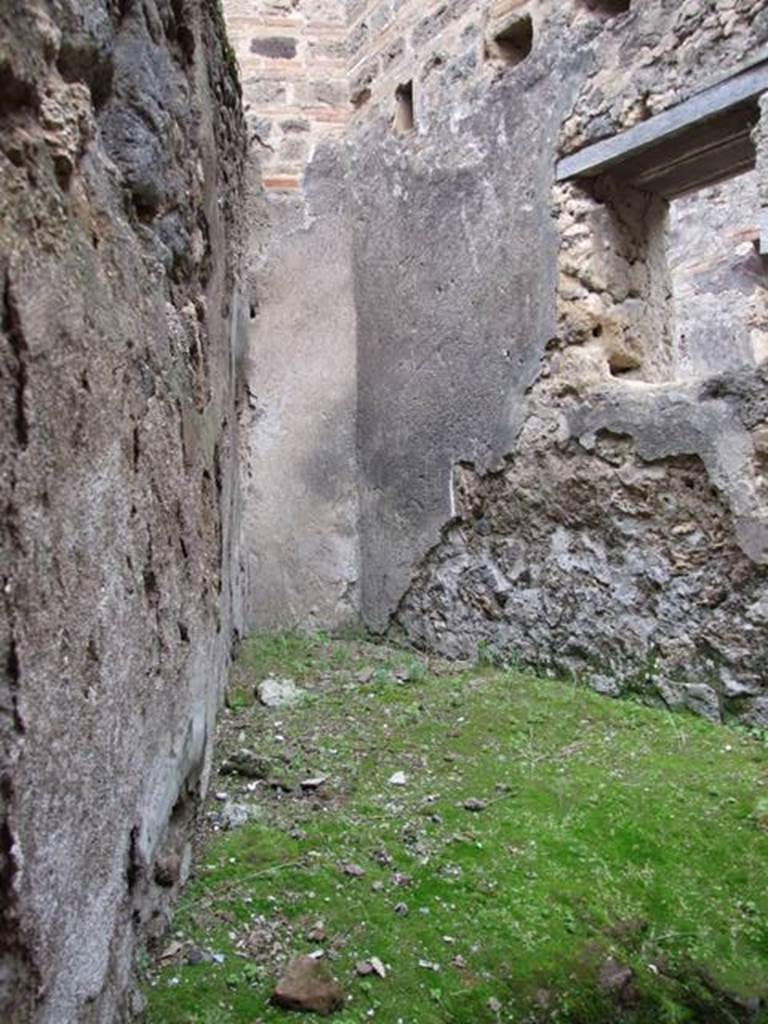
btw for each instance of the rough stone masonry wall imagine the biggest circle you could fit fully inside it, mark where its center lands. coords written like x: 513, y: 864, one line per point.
x: 298, y: 424
x: 121, y: 152
x: 525, y: 440
x: 455, y: 259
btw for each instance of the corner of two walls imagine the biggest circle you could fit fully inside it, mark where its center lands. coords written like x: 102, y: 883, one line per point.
x: 479, y: 443
x: 623, y: 537
x: 298, y: 417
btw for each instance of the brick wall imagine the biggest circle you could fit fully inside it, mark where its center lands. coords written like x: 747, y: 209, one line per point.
x: 395, y: 41
x: 292, y: 56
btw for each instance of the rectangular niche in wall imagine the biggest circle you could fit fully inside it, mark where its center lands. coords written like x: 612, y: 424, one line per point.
x: 513, y: 42
x: 676, y: 199
x: 405, y: 119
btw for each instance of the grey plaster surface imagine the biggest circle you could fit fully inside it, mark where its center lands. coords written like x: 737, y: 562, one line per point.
x: 300, y: 469
x: 455, y: 263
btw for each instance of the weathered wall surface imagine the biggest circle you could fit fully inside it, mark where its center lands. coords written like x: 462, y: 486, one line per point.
x: 298, y: 424
x: 718, y: 278
x: 298, y: 428
x: 657, y: 54
x: 121, y: 144
x: 458, y: 334
x: 526, y: 333
x: 455, y: 261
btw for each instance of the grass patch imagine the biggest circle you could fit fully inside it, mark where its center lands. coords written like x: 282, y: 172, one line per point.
x: 614, y: 842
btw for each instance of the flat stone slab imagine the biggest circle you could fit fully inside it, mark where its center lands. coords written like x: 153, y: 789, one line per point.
x: 279, y: 693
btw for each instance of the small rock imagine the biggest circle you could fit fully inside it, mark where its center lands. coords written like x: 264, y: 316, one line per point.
x: 401, y: 909
x: 401, y: 880
x: 314, y: 783
x: 373, y: 966
x: 402, y: 675
x: 171, y: 950
x: 398, y: 779
x: 474, y: 805
x: 378, y: 967
x: 353, y: 870
x: 248, y: 763
x: 618, y: 982
x: 199, y: 956
x: 459, y: 962
x: 365, y: 676
x: 317, y: 932
x: 605, y: 685
x: 494, y: 1005
x: 233, y: 815
x: 382, y: 857
x: 429, y: 965
x: 279, y: 693
x: 377, y: 886
x: 306, y: 986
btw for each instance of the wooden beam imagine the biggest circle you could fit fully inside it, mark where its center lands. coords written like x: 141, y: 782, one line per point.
x: 728, y: 108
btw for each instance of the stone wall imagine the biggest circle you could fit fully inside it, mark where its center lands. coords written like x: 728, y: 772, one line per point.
x: 530, y: 438
x: 121, y: 157
x: 455, y: 261
x: 298, y: 425
x: 447, y: 319
x: 718, y: 278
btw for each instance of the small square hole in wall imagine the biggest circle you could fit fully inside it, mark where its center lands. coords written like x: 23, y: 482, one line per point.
x: 404, y: 112
x: 514, y: 42
x: 608, y: 8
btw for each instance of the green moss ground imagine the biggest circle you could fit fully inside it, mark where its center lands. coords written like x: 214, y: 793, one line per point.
x: 611, y: 831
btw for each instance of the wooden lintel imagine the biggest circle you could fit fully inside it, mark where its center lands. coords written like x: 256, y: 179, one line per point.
x: 737, y: 95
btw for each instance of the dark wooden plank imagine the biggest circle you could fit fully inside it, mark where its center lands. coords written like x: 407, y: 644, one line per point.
x: 697, y: 169
x: 743, y: 88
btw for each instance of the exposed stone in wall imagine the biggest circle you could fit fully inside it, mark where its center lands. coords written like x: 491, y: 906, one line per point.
x: 121, y: 153
x: 568, y: 411
x: 657, y: 54
x: 614, y: 284
x: 610, y: 555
